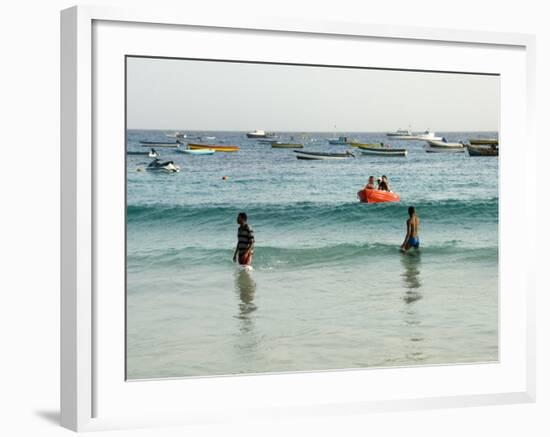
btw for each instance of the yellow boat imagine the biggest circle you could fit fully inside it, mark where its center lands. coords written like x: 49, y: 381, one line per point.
x: 216, y: 147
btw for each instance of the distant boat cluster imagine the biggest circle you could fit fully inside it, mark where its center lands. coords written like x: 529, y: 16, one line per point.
x: 435, y: 144
x: 204, y: 145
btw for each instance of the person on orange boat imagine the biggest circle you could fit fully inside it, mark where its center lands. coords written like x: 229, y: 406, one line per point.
x: 245, y: 241
x: 413, y: 226
x: 384, y: 184
x: 370, y: 183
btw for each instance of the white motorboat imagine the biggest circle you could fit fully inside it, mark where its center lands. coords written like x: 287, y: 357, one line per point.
x: 400, y: 134
x: 427, y: 135
x: 444, y: 143
x: 418, y: 136
x: 259, y: 133
x: 177, y: 135
x: 196, y: 151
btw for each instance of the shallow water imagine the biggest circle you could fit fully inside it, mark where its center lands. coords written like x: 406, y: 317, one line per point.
x: 329, y: 287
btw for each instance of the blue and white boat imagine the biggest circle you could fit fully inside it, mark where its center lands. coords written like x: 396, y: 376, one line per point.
x: 340, y: 141
x: 196, y: 151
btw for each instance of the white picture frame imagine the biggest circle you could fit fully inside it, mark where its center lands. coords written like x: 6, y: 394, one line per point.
x: 92, y: 392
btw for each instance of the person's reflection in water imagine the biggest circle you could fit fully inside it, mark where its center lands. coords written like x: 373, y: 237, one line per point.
x: 411, y: 277
x: 412, y: 285
x: 245, y: 286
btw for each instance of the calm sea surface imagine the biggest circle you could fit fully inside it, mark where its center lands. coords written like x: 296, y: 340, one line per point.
x: 330, y: 289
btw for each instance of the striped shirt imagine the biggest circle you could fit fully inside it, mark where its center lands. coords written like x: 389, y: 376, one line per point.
x: 245, y: 237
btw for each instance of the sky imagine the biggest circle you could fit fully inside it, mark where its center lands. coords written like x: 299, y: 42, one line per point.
x: 211, y: 95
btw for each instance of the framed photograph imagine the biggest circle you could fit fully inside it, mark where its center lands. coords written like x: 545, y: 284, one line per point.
x: 291, y: 217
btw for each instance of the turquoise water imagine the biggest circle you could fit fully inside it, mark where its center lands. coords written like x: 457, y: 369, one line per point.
x: 330, y: 288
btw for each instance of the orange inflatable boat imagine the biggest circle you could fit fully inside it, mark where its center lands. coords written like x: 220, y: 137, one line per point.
x: 376, y: 196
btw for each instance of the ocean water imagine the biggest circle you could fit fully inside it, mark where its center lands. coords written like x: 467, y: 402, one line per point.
x: 330, y: 289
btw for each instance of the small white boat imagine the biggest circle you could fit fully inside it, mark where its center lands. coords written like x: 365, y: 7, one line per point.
x: 427, y: 135
x: 340, y: 141
x: 178, y: 135
x: 300, y: 154
x: 444, y: 143
x: 197, y: 151
x: 408, y: 135
x: 259, y: 133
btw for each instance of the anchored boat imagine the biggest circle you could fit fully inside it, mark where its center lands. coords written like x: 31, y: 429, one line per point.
x: 482, y: 150
x: 197, y: 151
x: 369, y: 195
x: 435, y: 146
x: 277, y: 145
x: 401, y: 134
x: 432, y: 149
x: 215, y: 147
x: 340, y: 141
x: 158, y: 144
x: 483, y: 141
x: 444, y: 143
x: 408, y: 135
x: 380, y: 150
x: 322, y: 155
x: 259, y: 133
x: 427, y: 136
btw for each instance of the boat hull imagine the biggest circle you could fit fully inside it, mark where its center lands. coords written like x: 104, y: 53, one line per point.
x: 215, y: 147
x: 197, y: 151
x: 432, y: 149
x: 377, y: 196
x: 381, y: 151
x: 415, y: 138
x: 321, y: 156
x: 157, y: 144
x: 286, y: 146
x: 435, y: 143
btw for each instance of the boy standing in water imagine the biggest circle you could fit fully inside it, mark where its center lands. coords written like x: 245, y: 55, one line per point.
x: 245, y: 241
x: 413, y: 225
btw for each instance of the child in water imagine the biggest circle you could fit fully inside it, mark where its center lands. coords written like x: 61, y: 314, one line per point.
x: 413, y: 225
